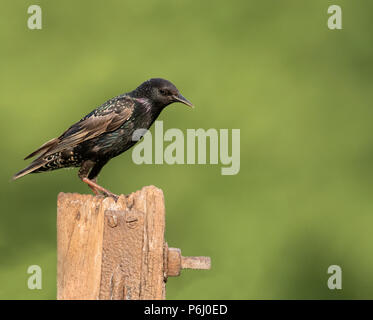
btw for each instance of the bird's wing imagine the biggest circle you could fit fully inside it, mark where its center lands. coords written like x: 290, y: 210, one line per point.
x: 44, y: 148
x: 93, y: 125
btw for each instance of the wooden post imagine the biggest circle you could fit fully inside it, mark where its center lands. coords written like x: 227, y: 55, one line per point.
x: 111, y: 249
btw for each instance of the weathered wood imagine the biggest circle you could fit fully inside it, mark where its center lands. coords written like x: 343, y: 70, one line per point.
x: 132, y: 265
x: 79, y: 240
x: 122, y: 259
x: 111, y: 249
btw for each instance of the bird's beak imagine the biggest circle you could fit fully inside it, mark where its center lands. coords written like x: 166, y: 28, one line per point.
x: 180, y: 98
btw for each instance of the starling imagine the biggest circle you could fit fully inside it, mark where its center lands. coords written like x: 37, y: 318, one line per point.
x: 105, y: 133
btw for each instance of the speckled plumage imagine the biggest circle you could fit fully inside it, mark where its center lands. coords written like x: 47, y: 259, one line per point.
x: 105, y: 133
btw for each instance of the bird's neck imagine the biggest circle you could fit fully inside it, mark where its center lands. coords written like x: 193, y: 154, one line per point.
x: 149, y: 106
x: 145, y: 103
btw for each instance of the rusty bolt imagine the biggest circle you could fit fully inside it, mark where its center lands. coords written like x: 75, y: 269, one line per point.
x: 198, y: 263
x: 176, y: 262
x: 131, y: 221
x: 112, y: 220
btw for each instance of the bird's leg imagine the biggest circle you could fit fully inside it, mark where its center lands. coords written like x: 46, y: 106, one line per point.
x: 94, y: 190
x: 83, y: 174
x: 90, y: 179
x: 93, y: 177
x: 94, y: 186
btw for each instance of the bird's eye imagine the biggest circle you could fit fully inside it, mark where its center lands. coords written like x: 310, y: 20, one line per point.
x: 164, y: 92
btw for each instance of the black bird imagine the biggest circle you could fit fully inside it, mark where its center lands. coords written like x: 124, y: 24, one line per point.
x: 105, y: 133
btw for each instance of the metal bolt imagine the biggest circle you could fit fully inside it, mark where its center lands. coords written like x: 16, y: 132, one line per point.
x: 131, y: 221
x: 112, y: 220
x: 198, y: 263
x: 176, y: 262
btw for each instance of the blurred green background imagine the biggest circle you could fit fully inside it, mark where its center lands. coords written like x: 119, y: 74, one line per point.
x: 300, y: 93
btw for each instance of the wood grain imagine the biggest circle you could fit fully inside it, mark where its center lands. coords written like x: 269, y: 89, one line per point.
x: 109, y: 249
x: 79, y: 242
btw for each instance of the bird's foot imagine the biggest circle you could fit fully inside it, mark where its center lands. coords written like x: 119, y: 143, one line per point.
x: 107, y: 193
x: 97, y: 189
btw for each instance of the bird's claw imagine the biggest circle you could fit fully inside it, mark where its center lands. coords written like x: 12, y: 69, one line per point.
x: 97, y: 189
x: 105, y: 193
x: 110, y: 194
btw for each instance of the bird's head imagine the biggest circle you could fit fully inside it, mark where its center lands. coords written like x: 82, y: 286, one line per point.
x: 161, y: 92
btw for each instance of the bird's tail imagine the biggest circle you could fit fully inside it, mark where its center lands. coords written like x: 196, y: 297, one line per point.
x: 32, y: 167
